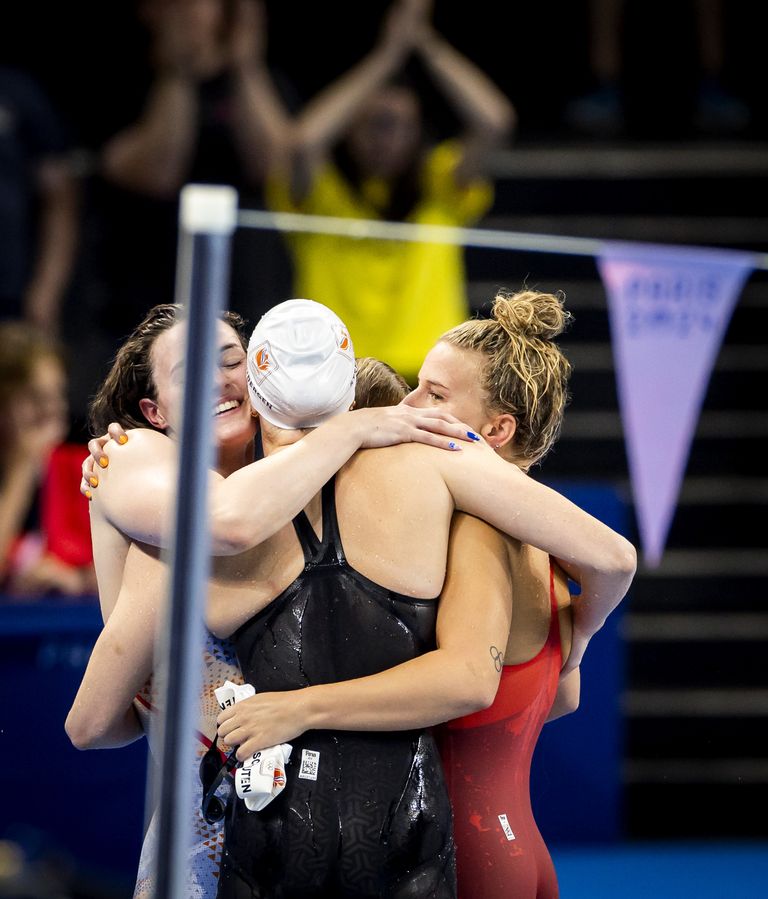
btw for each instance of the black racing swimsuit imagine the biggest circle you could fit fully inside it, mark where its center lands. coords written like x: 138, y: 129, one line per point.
x: 362, y: 814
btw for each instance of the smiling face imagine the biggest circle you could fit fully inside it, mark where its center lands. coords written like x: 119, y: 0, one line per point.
x: 234, y: 425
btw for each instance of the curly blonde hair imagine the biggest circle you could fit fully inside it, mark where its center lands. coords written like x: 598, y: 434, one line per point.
x: 525, y: 373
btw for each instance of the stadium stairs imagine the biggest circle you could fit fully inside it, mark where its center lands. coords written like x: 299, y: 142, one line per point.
x: 696, y: 626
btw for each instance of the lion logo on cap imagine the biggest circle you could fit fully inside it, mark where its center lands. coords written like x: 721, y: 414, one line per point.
x: 343, y: 341
x: 262, y: 362
x: 262, y: 359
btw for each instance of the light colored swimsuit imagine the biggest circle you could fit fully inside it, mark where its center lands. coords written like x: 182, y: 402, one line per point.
x: 219, y: 664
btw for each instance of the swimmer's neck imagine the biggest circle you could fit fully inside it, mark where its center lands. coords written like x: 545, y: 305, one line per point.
x: 275, y: 439
x: 231, y: 459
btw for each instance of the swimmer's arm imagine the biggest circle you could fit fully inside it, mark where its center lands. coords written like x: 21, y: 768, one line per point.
x: 110, y: 548
x: 568, y: 695
x: 569, y: 684
x: 102, y: 715
x: 459, y: 677
x: 137, y: 489
x: 601, y: 560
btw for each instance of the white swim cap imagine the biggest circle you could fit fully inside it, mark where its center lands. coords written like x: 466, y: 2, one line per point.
x: 301, y: 365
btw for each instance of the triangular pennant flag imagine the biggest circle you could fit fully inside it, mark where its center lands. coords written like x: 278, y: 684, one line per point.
x: 668, y: 309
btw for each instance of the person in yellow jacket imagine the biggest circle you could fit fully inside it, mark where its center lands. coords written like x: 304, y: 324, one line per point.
x: 358, y: 151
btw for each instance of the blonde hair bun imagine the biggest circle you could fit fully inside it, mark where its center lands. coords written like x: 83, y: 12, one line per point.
x: 524, y: 372
x: 531, y: 314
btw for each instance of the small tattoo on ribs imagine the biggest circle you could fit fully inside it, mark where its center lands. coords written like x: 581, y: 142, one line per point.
x: 498, y: 658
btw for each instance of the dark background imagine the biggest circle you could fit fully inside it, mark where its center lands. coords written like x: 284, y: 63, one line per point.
x: 89, y: 56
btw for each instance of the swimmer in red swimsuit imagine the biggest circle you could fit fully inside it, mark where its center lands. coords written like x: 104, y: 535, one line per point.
x: 487, y: 755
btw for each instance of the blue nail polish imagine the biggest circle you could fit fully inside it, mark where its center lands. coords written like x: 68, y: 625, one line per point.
x: 472, y: 436
x: 452, y: 445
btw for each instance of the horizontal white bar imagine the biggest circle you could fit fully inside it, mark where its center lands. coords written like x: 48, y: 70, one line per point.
x: 485, y: 238
x: 712, y: 230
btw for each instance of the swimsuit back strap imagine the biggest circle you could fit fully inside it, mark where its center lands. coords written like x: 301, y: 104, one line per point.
x: 554, y: 626
x: 333, y: 550
x: 308, y: 541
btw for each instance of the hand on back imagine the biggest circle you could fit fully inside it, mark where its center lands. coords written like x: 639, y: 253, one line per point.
x: 389, y: 425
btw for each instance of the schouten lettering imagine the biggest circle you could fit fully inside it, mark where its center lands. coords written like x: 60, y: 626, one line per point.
x: 245, y: 780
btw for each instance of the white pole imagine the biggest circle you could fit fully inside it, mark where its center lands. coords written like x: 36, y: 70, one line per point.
x: 207, y: 219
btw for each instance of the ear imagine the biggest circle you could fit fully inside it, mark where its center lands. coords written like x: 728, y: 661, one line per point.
x: 500, y: 430
x: 152, y: 413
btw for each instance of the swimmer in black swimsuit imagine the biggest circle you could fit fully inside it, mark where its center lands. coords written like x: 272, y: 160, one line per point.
x: 362, y: 814
x: 376, y: 822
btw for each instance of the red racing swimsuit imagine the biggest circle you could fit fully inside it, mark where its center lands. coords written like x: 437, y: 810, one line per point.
x: 487, y: 761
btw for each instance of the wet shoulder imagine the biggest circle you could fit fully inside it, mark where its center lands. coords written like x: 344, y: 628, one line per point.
x: 470, y: 529
x: 142, y: 443
x: 401, y: 460
x: 531, y: 607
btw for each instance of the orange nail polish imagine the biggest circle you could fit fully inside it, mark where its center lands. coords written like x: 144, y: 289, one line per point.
x: 103, y: 461
x: 122, y: 439
x: 87, y: 494
x: 93, y: 481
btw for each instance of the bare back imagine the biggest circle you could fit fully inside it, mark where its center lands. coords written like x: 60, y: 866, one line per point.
x: 531, y: 609
x: 394, y: 514
x: 394, y: 511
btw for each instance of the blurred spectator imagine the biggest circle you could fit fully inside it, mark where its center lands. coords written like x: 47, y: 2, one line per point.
x: 359, y: 152
x: 42, y: 876
x: 45, y: 544
x: 210, y: 115
x: 38, y: 204
x: 602, y: 112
